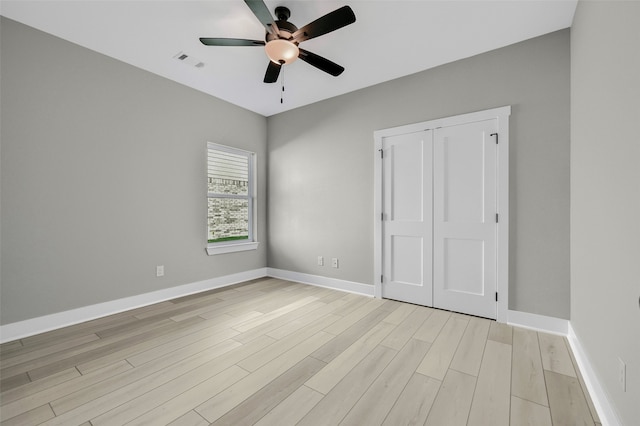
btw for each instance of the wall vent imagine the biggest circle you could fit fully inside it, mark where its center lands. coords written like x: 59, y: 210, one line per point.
x: 189, y: 60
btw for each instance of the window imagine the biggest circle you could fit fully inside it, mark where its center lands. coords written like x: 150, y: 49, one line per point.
x: 231, y: 196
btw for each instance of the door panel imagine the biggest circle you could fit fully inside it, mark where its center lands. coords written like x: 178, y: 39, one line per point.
x: 462, y: 177
x: 406, y: 165
x: 407, y: 222
x: 464, y: 226
x: 407, y: 260
x: 463, y: 265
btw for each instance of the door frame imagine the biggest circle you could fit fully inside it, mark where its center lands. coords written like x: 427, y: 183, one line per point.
x: 501, y: 115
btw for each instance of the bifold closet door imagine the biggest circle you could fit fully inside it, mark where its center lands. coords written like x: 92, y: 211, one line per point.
x: 407, y: 217
x: 464, y: 218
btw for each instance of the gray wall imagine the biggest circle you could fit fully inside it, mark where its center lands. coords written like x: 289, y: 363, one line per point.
x: 605, y: 194
x: 104, y: 177
x: 321, y: 160
x: 103, y: 164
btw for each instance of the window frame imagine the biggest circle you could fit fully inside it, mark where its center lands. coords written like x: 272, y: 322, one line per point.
x: 237, y: 245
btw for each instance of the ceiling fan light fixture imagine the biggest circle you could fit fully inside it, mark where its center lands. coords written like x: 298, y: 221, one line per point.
x: 282, y: 51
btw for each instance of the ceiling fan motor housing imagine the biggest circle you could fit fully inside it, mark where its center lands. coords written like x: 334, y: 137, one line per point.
x: 285, y: 27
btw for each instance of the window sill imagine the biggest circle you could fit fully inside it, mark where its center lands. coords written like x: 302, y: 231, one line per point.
x: 231, y: 248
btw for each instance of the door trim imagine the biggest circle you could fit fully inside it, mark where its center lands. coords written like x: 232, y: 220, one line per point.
x: 501, y: 114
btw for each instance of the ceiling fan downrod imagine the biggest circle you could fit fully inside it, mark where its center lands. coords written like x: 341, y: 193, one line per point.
x: 282, y: 13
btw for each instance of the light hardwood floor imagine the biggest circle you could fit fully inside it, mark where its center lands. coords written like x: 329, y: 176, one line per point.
x: 273, y: 352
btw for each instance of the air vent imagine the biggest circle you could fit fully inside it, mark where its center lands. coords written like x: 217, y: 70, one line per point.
x: 189, y: 60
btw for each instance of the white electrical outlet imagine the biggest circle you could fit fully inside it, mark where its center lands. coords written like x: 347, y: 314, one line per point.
x: 320, y: 261
x: 622, y: 374
x: 334, y: 262
x: 160, y: 271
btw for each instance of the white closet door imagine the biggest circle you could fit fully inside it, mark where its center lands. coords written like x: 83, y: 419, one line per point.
x: 407, y: 218
x: 464, y: 218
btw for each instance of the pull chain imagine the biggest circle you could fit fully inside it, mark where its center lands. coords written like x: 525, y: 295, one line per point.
x: 282, y: 85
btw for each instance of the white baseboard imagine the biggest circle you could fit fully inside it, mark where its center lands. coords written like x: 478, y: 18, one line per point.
x: 30, y: 327
x: 538, y: 322
x: 320, y: 281
x: 607, y: 415
x: 563, y: 327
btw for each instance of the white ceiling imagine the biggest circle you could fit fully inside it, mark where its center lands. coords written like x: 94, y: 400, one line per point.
x: 389, y: 39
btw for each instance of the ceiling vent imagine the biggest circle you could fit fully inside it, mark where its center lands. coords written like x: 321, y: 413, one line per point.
x: 189, y: 60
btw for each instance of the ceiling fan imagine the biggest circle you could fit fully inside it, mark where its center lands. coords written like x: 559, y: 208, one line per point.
x: 282, y: 38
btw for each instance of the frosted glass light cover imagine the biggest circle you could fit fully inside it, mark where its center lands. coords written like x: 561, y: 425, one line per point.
x: 282, y: 51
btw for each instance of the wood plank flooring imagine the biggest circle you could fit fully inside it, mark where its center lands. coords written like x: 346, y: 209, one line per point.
x: 274, y: 352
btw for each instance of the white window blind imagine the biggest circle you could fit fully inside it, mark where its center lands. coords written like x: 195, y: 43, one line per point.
x: 230, y: 195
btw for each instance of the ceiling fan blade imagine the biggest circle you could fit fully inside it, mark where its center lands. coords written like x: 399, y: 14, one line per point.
x: 230, y: 42
x: 321, y: 63
x: 273, y: 71
x: 330, y: 22
x: 262, y: 13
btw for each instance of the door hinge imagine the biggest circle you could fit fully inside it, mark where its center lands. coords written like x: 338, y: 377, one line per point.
x: 496, y: 296
x: 381, y: 153
x: 381, y: 216
x: 496, y: 217
x: 496, y: 135
x: 381, y: 278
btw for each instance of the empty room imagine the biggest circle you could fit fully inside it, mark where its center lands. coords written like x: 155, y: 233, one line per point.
x: 363, y: 212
